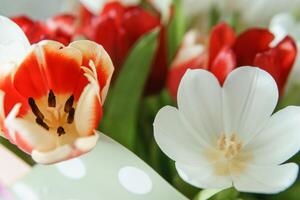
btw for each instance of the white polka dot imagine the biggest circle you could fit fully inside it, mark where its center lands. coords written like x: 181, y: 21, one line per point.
x: 73, y: 169
x: 135, y: 180
x: 23, y: 192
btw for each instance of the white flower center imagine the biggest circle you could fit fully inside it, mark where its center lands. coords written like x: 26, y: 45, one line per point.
x: 229, y: 145
x: 228, y: 157
x: 55, y: 115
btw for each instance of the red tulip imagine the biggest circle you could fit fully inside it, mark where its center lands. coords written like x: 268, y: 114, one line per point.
x: 227, y: 51
x: 59, y: 28
x: 118, y: 28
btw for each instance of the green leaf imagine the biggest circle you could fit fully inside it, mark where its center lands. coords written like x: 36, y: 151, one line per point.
x: 206, y: 194
x: 214, y: 16
x: 120, y: 118
x: 176, y: 29
x: 227, y: 194
x: 217, y: 194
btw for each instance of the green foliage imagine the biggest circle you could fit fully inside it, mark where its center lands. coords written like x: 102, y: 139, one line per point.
x: 176, y: 29
x: 120, y: 119
x: 215, y: 194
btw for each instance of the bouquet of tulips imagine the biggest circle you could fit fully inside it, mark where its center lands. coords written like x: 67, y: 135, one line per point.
x: 181, y: 99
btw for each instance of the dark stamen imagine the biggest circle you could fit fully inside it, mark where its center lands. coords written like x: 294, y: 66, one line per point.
x: 51, y: 99
x: 71, y: 116
x: 69, y: 104
x: 35, y: 109
x: 60, y: 131
x: 40, y: 122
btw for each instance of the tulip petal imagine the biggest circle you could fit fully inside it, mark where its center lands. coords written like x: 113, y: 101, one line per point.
x: 81, y: 145
x: 12, y: 96
x: 246, y: 49
x: 88, y: 111
x: 35, y: 31
x: 223, y: 64
x: 13, y: 43
x: 49, y: 157
x: 47, y: 67
x: 29, y: 72
x: 222, y: 36
x: 28, y: 135
x: 138, y: 22
x: 280, y: 136
x: 92, y: 51
x: 278, y: 61
x: 58, y: 63
x: 191, y: 55
x: 266, y: 179
x: 249, y: 98
x: 85, y: 144
x: 176, y: 138
x: 199, y: 100
x: 202, y: 176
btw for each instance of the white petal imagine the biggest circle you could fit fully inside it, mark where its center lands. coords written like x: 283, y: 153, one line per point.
x: 32, y: 134
x: 87, y: 110
x: 13, y: 42
x: 267, y: 180
x: 163, y: 8
x: 190, y: 49
x: 202, y: 176
x: 2, y: 113
x: 58, y: 154
x: 280, y: 26
x: 279, y: 140
x: 94, y: 6
x: 199, y: 99
x: 249, y: 98
x: 85, y: 144
x: 176, y: 138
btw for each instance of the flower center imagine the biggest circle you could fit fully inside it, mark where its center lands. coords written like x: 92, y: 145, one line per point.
x: 56, y: 115
x: 229, y: 145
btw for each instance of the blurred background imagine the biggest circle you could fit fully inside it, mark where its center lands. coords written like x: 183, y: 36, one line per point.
x: 138, y: 105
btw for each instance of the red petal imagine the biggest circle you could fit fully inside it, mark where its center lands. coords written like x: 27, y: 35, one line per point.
x: 114, y: 8
x: 48, y: 67
x: 34, y: 30
x: 11, y: 97
x: 107, y: 33
x: 222, y: 36
x: 250, y: 43
x: 106, y: 29
x: 137, y: 22
x: 278, y: 61
x: 63, y: 28
x: 62, y: 67
x: 85, y: 16
x: 223, y: 64
x: 28, y: 79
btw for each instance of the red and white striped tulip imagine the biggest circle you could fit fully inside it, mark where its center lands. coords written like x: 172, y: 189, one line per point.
x: 51, y: 95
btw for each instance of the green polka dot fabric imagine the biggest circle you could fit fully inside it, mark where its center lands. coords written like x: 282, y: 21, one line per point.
x: 109, y: 172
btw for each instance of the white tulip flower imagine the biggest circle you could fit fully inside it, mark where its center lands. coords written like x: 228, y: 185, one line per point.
x: 221, y: 137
